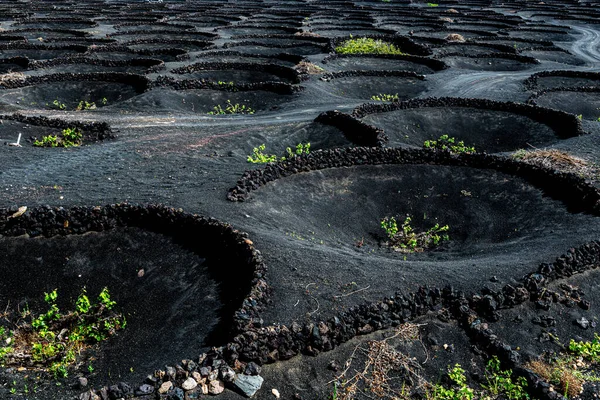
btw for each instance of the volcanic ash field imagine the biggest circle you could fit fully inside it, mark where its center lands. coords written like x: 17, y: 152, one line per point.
x: 382, y: 199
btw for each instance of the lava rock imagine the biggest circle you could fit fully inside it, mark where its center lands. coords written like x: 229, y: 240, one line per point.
x: 252, y: 369
x: 177, y: 394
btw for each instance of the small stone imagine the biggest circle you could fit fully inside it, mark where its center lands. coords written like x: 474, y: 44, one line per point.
x: 216, y: 387
x: 205, y: 371
x: 333, y: 366
x: 275, y: 393
x: 227, y: 374
x: 177, y: 394
x: 248, y: 384
x: 494, y: 279
x: 165, y: 387
x: 82, y: 382
x: 189, y: 384
x: 144, y: 389
x: 197, y: 377
x: 213, y: 375
x: 252, y: 369
x: 204, y: 388
x: 171, y: 372
x: 583, y: 322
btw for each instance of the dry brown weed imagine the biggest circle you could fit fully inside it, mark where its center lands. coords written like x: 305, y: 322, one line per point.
x: 559, y: 160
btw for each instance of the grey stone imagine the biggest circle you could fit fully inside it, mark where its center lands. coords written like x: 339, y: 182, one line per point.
x: 82, y: 382
x: 583, y: 322
x: 248, y: 385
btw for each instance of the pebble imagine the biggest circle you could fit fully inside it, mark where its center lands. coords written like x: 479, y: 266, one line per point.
x: 275, y: 393
x: 189, y: 384
x: 583, y: 322
x: 82, y: 382
x: 196, y: 375
x: 204, y: 388
x: 216, y: 387
x: 165, y: 387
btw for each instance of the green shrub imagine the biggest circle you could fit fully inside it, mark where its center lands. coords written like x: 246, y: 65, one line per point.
x: 84, y: 105
x: 258, y: 155
x: 231, y: 109
x: 460, y: 392
x: 70, y: 137
x: 385, y: 97
x: 406, y: 240
x: 367, y: 46
x: 447, y: 143
x: 52, y: 340
x: 588, y: 350
x: 501, y: 382
x: 47, y: 141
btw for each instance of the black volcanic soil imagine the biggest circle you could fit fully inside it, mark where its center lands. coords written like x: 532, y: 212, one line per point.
x: 317, y: 230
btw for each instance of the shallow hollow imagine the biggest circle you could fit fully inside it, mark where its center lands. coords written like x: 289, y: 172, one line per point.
x: 365, y: 87
x: 175, y: 301
x: 324, y: 227
x: 69, y: 94
x: 165, y: 270
x: 486, y: 130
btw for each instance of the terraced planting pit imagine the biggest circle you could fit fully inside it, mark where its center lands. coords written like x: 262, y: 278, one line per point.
x: 490, y: 128
x: 166, y: 285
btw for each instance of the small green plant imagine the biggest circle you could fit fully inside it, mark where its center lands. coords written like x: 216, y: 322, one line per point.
x: 385, y: 97
x: 47, y: 141
x: 300, y: 150
x: 104, y: 101
x: 84, y: 105
x: 258, y: 155
x: 447, y: 143
x: 406, y: 240
x: 367, y: 46
x: 53, y: 340
x: 58, y: 105
x: 579, y: 117
x: 228, y: 85
x: 69, y: 137
x: 460, y: 391
x: 588, y: 350
x: 501, y: 382
x: 231, y: 108
x: 432, y: 4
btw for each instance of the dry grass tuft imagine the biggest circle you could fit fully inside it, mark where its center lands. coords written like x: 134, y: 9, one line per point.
x: 307, y: 34
x: 452, y: 11
x: 560, y: 374
x: 381, y: 359
x: 305, y: 67
x: 557, y: 159
x: 11, y: 77
x: 446, y: 19
x: 455, y: 37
